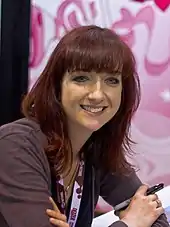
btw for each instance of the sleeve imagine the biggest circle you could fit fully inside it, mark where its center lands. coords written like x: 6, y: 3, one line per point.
x: 24, y: 186
x: 116, y: 189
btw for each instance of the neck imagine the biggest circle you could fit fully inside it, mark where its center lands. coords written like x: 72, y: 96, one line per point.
x: 78, y: 136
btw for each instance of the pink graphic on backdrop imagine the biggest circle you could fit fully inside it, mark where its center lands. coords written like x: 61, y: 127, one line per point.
x: 70, y: 20
x: 128, y: 21
x: 152, y: 122
x: 37, y: 37
x: 63, y: 21
x: 162, y: 4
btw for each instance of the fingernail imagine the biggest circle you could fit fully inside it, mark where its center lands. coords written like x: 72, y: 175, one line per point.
x: 52, y: 219
x: 48, y: 210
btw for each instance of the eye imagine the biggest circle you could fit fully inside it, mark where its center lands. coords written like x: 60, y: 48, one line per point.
x: 112, y: 81
x: 80, y: 79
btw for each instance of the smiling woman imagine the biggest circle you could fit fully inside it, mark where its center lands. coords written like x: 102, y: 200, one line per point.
x: 96, y: 53
x: 72, y: 143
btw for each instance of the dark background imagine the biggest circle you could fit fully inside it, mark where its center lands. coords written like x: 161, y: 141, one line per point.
x: 14, y: 55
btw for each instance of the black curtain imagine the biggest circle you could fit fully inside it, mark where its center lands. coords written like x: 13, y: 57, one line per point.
x: 14, y: 54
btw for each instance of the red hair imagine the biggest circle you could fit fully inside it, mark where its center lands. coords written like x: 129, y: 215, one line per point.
x: 87, y: 48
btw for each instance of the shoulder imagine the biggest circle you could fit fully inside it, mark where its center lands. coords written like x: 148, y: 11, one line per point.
x: 23, y: 132
x: 24, y: 139
x: 24, y: 127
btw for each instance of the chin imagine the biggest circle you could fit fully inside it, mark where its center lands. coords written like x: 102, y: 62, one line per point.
x: 91, y: 126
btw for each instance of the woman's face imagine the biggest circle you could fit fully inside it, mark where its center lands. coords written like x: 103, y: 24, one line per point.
x: 91, y: 99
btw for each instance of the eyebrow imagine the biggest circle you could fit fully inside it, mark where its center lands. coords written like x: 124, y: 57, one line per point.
x: 119, y: 72
x: 114, y: 74
x: 75, y: 73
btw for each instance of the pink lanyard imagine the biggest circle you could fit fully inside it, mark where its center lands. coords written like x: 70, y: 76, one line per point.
x: 76, y: 198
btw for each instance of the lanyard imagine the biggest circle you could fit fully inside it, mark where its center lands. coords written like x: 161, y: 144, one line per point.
x: 76, y: 197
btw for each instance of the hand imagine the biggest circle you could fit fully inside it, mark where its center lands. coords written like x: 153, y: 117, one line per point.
x: 143, y: 210
x: 56, y: 217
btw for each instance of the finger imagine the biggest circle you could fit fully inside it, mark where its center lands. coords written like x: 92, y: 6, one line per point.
x: 54, y: 204
x: 152, y: 197
x: 160, y: 210
x: 58, y: 223
x: 121, y: 214
x: 142, y: 190
x: 57, y: 215
x: 158, y: 203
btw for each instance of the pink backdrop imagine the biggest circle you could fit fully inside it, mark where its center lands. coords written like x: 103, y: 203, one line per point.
x: 145, y: 27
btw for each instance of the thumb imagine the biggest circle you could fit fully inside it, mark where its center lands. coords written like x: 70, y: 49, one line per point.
x: 122, y: 214
x: 54, y: 204
x: 142, y: 190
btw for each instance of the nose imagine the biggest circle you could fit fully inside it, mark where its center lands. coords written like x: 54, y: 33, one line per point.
x: 96, y: 94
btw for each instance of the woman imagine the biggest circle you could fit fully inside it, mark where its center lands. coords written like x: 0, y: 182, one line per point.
x: 72, y: 143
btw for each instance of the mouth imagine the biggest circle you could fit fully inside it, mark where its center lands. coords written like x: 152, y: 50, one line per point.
x: 93, y: 109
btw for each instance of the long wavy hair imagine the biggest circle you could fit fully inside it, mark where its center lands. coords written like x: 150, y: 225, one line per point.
x: 86, y: 48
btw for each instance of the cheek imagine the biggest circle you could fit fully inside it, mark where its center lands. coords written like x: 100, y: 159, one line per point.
x: 119, y: 99
x: 66, y: 101
x: 116, y: 99
x: 64, y: 98
x: 70, y: 98
x: 66, y: 94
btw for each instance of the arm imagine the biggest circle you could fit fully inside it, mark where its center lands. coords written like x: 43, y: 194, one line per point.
x: 115, y: 189
x: 24, y: 181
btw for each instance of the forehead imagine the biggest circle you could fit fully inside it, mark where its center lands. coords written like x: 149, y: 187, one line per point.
x: 92, y: 74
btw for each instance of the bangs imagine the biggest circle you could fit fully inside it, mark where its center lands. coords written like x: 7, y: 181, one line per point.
x: 97, y: 53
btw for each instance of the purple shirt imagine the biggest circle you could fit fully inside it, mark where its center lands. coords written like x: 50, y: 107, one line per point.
x: 25, y: 180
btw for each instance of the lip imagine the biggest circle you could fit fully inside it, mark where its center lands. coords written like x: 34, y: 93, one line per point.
x: 93, y: 113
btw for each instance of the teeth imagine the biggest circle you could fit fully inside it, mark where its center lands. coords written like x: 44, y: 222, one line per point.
x: 92, y: 109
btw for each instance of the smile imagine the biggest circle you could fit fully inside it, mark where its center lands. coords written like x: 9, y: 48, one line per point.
x: 93, y: 109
